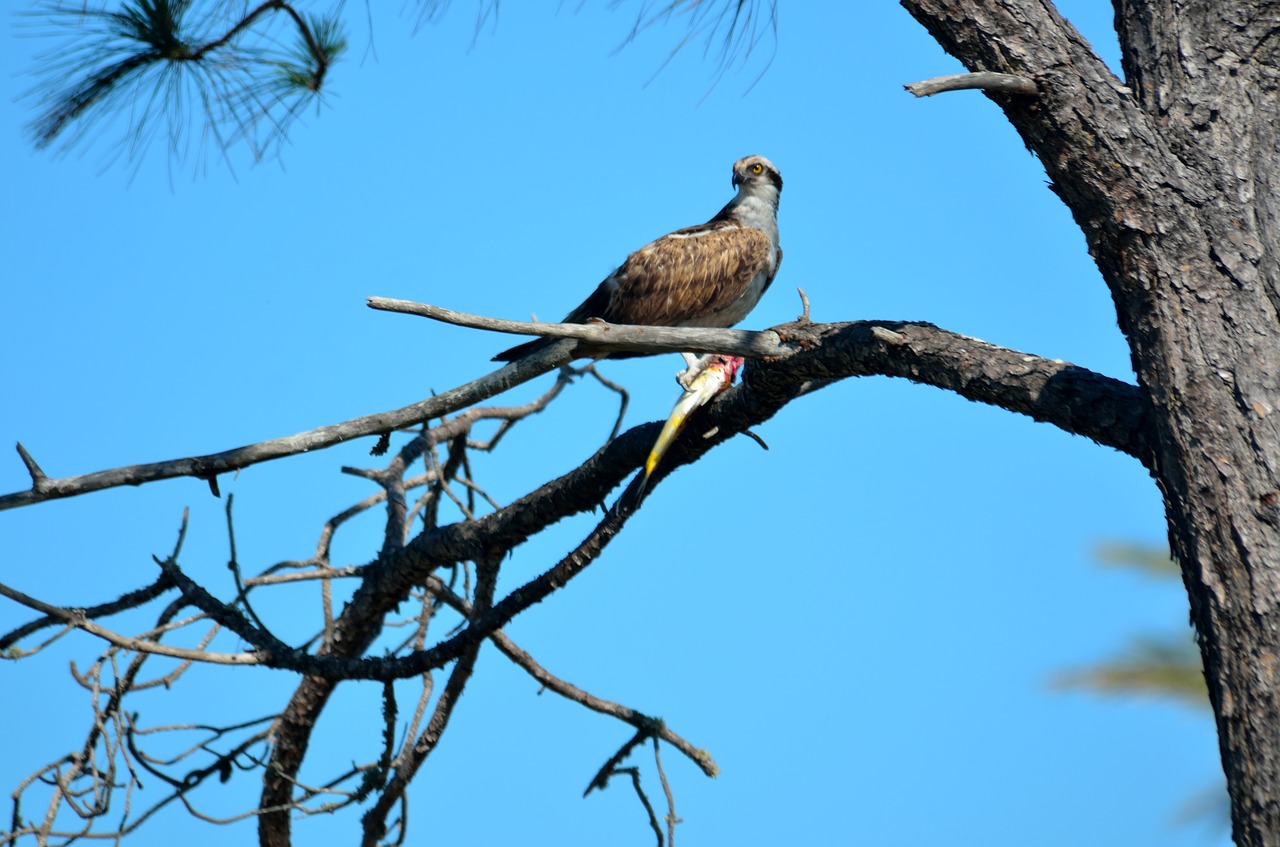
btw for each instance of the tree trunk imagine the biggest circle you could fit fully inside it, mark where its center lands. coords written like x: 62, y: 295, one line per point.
x: 1171, y: 179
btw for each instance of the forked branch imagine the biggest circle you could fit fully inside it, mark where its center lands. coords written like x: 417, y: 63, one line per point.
x: 1075, y: 399
x: 811, y: 356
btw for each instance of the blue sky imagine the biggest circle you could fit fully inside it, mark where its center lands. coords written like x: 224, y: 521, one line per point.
x: 860, y: 624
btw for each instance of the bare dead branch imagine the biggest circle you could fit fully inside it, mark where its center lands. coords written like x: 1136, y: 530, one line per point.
x: 354, y: 628
x: 1075, y: 399
x: 634, y: 774
x: 38, y: 478
x: 269, y: 648
x: 1106, y: 410
x: 75, y: 617
x: 601, y: 779
x: 321, y: 558
x: 818, y: 355
x: 471, y: 486
x: 207, y: 467
x: 375, y: 820
x: 671, y: 817
x: 621, y: 392
x: 374, y: 778
x: 233, y: 564
x: 600, y: 337
x: 419, y: 713
x: 995, y: 83
x: 569, y: 691
x: 79, y: 618
x: 91, y: 773
x: 347, y: 572
x: 941, y: 358
x: 131, y: 600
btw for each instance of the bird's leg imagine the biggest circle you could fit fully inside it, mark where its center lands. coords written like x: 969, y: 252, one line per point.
x: 694, y: 365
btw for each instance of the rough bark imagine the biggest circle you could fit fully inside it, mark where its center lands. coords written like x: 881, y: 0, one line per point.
x: 1171, y: 179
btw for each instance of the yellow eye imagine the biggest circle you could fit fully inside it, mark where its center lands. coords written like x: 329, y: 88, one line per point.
x: 757, y: 168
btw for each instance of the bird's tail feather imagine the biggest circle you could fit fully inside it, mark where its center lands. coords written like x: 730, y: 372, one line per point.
x: 522, y: 350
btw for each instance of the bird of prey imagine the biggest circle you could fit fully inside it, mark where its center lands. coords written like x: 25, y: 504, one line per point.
x: 710, y: 275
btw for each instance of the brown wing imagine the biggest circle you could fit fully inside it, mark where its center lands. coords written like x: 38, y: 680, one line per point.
x: 687, y: 277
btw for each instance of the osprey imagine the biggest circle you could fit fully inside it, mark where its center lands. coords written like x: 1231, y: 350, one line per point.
x: 710, y: 275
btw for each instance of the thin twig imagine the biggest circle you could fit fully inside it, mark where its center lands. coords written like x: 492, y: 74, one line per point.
x: 131, y: 600
x: 634, y: 773
x: 38, y: 477
x: 569, y: 691
x: 75, y: 617
x: 672, y: 818
x: 804, y: 304
x: 622, y: 392
x: 233, y: 564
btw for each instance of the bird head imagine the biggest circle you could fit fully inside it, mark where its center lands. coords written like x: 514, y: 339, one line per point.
x: 755, y: 169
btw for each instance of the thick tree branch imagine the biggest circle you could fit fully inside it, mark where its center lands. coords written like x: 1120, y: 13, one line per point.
x: 1074, y: 399
x: 1042, y: 388
x: 941, y: 358
x: 1078, y: 401
x: 984, y: 80
x: 819, y: 354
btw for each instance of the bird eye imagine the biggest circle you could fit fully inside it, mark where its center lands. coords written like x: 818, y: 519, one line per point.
x: 757, y: 168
